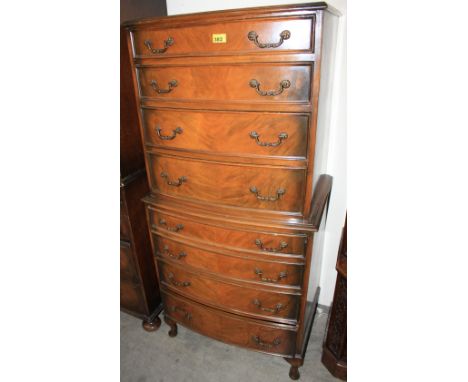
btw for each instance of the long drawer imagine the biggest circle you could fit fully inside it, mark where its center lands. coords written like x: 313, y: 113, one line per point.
x: 252, y: 83
x: 253, y: 334
x: 249, y: 36
x: 273, y: 271
x: 247, y: 240
x: 225, y: 294
x: 267, y: 187
x: 268, y: 134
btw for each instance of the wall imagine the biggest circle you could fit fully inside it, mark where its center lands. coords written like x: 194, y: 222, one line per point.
x: 333, y: 156
x: 175, y: 7
x: 335, y: 162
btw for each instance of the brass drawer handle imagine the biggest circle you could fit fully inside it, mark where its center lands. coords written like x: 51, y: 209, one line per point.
x: 177, y: 283
x: 266, y: 345
x: 253, y: 36
x: 167, y: 43
x: 256, y: 136
x: 179, y: 182
x: 172, y: 84
x: 187, y: 315
x: 177, y: 228
x: 276, y: 309
x: 281, y: 275
x: 280, y: 192
x: 177, y: 130
x: 283, y: 85
x: 282, y: 245
x: 168, y: 253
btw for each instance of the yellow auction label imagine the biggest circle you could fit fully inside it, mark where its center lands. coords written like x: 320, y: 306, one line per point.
x: 219, y: 38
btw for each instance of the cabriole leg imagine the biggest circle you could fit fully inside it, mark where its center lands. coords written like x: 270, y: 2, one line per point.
x: 294, y: 369
x: 173, y: 325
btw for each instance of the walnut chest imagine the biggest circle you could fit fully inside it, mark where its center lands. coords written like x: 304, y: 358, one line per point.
x: 228, y: 116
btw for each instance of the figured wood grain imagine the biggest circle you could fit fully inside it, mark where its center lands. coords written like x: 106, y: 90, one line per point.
x: 225, y: 236
x: 221, y: 292
x: 230, y: 328
x: 237, y: 267
x: 227, y: 82
x: 224, y: 132
x: 198, y: 40
x: 228, y: 184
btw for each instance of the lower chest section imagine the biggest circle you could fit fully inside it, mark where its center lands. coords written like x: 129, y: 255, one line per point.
x: 253, y: 334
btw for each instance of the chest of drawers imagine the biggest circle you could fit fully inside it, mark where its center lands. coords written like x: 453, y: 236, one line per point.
x: 228, y: 116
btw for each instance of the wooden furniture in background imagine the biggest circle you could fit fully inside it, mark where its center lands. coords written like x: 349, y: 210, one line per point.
x: 334, y: 355
x: 228, y: 114
x: 139, y: 290
x: 136, y: 9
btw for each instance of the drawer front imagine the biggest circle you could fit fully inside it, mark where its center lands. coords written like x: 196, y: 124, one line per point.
x: 248, y: 269
x: 260, y: 303
x: 267, y: 187
x: 265, y: 242
x: 266, y: 36
x: 286, y: 83
x: 272, y: 134
x: 248, y: 333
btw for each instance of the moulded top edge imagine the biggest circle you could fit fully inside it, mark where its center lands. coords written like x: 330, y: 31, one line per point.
x: 241, y: 13
x: 192, y: 208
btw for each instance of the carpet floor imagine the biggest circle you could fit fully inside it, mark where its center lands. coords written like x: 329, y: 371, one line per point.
x: 190, y: 357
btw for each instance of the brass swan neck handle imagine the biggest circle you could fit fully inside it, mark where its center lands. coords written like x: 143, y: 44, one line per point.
x: 167, y: 43
x: 284, y: 84
x: 284, y: 35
